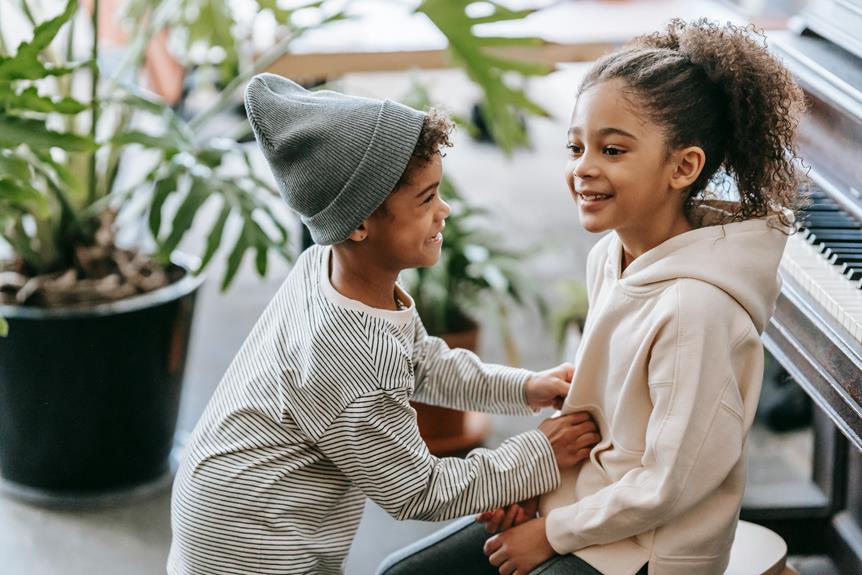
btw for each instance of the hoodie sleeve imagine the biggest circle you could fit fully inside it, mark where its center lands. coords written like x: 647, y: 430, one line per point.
x: 701, y: 360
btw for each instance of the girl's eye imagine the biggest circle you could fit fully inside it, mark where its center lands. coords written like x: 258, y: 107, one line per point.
x: 430, y: 198
x: 611, y: 151
x: 574, y: 149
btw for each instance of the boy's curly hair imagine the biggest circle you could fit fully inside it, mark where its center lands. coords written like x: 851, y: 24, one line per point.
x: 718, y: 87
x: 434, y: 137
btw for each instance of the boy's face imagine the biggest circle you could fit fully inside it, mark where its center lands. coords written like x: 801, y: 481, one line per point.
x: 408, y: 231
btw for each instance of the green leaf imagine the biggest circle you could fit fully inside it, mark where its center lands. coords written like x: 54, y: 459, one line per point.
x: 486, y: 68
x: 69, y: 178
x: 261, y: 240
x: 4, y: 327
x: 198, y: 194
x: 501, y: 13
x: 162, y: 190
x: 163, y: 142
x: 214, y: 237
x: 31, y: 101
x: 15, y: 131
x: 260, y: 260
x: 13, y: 166
x: 22, y: 197
x: 521, y: 66
x: 25, y: 64
x: 235, y: 257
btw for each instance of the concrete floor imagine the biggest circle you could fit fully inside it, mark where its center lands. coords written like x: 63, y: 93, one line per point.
x: 530, y: 205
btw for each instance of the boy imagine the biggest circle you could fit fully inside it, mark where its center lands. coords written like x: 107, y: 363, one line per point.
x: 313, y: 415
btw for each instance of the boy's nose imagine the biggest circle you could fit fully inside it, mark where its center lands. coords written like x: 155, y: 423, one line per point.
x: 445, y: 210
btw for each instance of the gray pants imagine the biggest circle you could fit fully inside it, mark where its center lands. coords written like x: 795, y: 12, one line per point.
x: 457, y: 550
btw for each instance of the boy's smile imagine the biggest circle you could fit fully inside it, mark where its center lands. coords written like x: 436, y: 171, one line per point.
x: 619, y: 171
x: 408, y: 232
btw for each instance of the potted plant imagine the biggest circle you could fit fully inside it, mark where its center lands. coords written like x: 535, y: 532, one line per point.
x: 97, y: 332
x: 96, y: 327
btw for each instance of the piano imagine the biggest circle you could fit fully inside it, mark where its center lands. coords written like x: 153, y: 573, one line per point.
x: 816, y: 332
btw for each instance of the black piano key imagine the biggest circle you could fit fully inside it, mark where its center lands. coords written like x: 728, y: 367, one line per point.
x: 841, y: 257
x: 831, y: 249
x: 849, y: 267
x: 834, y: 223
x: 827, y: 235
x: 822, y: 247
x: 826, y: 215
x: 831, y: 207
x: 855, y: 276
x: 852, y: 260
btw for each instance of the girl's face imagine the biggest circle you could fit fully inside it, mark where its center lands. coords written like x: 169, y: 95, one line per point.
x: 618, y: 170
x: 408, y: 233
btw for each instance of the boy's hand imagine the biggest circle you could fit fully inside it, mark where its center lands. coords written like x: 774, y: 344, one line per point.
x: 507, y: 517
x: 572, y: 437
x: 549, y: 387
x: 520, y: 549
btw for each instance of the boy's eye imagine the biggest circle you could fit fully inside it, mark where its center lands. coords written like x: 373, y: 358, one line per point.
x: 612, y: 151
x: 574, y: 149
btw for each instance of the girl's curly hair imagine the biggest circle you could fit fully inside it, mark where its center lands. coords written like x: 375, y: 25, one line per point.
x: 718, y: 87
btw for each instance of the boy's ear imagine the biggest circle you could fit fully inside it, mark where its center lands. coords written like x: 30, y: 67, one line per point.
x: 360, y: 233
x: 688, y: 165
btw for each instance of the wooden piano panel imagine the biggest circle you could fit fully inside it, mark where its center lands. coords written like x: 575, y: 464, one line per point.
x: 830, y: 135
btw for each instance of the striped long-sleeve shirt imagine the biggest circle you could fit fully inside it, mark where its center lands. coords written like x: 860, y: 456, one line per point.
x: 313, y: 416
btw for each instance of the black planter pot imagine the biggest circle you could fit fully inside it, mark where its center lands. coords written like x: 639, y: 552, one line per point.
x: 89, y: 397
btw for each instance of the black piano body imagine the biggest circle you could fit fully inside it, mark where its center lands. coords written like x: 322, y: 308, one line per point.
x: 814, y: 335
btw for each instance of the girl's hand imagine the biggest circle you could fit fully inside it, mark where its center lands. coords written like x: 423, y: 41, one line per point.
x: 549, y: 388
x: 505, y: 518
x: 520, y: 549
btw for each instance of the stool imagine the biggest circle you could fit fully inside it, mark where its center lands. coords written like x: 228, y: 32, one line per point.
x: 758, y: 551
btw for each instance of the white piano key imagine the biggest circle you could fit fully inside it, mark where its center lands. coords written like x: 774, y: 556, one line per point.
x: 823, y: 281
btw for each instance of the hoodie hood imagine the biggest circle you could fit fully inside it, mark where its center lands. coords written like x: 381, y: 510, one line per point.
x: 740, y: 258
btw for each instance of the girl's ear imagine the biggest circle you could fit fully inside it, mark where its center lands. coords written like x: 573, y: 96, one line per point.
x: 687, y: 167
x: 360, y: 233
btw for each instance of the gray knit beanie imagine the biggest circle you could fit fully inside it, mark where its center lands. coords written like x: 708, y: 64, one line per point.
x: 335, y: 158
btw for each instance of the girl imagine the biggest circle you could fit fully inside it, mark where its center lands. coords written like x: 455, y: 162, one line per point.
x: 671, y: 362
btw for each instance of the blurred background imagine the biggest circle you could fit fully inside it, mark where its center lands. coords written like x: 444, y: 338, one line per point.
x: 130, y: 187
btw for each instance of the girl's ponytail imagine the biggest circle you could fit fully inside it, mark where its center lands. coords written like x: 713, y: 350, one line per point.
x: 719, y: 88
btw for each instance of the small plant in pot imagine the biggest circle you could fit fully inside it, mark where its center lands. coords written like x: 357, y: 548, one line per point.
x: 96, y: 332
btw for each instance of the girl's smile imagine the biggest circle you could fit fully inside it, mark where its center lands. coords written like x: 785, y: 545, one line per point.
x: 590, y: 201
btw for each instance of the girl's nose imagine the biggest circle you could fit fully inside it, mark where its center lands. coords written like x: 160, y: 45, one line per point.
x: 585, y: 167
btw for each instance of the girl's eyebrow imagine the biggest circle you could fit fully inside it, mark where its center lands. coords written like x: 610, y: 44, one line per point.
x: 574, y: 131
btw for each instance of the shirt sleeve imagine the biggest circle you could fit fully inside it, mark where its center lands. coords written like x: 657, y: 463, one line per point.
x: 458, y: 379
x: 375, y: 442
x: 695, y: 435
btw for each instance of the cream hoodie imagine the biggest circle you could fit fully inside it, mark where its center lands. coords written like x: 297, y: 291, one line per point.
x: 670, y: 366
